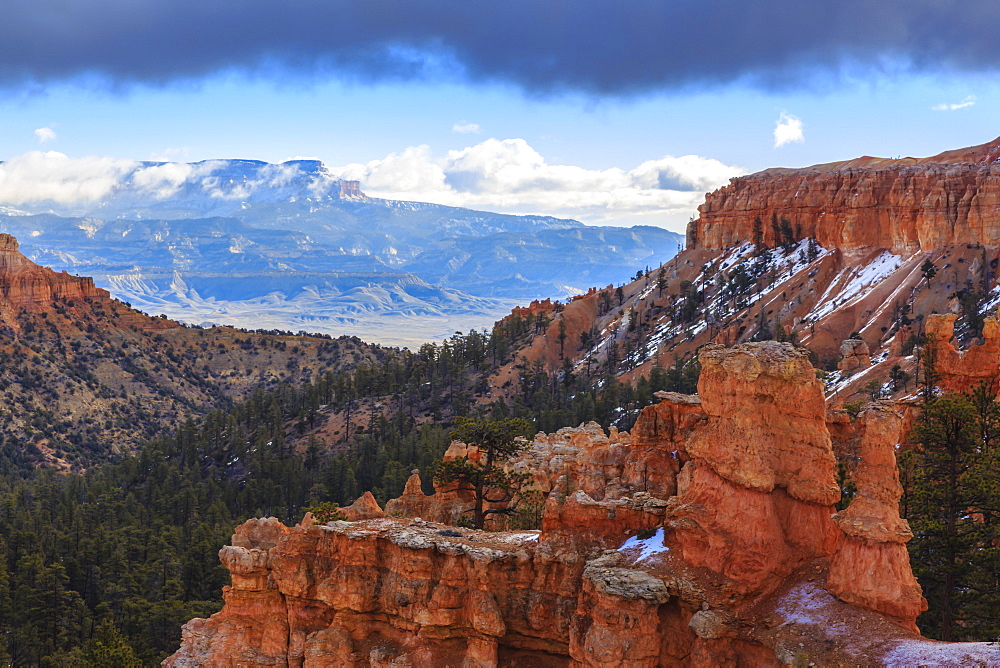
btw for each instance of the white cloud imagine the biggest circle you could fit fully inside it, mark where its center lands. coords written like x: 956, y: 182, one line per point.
x: 45, y: 135
x: 51, y: 176
x: 162, y: 180
x: 788, y: 129
x: 512, y: 177
x: 412, y: 171
x: 507, y: 176
x: 466, y: 128
x: 967, y: 102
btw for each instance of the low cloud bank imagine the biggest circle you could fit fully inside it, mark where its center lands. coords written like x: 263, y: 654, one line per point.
x: 507, y: 176
x: 510, y: 176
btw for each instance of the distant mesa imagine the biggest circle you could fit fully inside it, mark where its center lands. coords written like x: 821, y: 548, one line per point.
x: 350, y: 189
x: 294, y: 246
x: 24, y: 284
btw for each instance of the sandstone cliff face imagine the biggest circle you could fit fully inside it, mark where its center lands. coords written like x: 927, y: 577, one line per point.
x: 903, y: 205
x: 962, y: 370
x: 870, y: 566
x: 24, y: 284
x: 767, y: 418
x: 738, y: 564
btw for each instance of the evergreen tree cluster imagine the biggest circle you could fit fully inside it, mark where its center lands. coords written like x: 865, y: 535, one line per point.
x: 952, y: 501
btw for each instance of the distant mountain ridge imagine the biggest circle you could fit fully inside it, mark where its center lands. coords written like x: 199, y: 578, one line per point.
x: 314, y: 252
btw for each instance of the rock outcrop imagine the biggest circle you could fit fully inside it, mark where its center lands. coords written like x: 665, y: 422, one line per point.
x: 767, y: 421
x: 364, y: 508
x: 904, y: 205
x: 446, y: 505
x: 24, y: 284
x: 742, y: 563
x: 961, y: 371
x: 871, y: 566
x: 854, y: 355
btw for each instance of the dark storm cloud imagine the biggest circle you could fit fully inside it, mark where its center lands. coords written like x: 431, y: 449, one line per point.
x: 616, y: 47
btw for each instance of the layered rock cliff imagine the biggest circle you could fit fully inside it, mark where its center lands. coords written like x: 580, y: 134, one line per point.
x: 904, y: 205
x: 658, y: 548
x: 852, y: 260
x: 24, y: 284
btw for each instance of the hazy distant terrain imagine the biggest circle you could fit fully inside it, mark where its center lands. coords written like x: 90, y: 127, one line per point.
x: 260, y: 245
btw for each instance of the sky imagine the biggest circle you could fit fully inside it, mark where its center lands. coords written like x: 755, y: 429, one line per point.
x: 612, y: 113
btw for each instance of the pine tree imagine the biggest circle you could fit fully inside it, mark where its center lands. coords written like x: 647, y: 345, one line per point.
x: 953, y: 506
x: 939, y: 505
x: 928, y: 270
x: 498, y: 441
x: 107, y: 648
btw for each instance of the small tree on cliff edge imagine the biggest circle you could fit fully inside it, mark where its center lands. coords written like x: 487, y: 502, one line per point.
x: 499, y: 441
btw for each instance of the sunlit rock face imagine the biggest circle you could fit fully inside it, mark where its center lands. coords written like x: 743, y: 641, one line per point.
x: 960, y: 371
x: 24, y: 284
x: 903, y: 205
x: 658, y: 548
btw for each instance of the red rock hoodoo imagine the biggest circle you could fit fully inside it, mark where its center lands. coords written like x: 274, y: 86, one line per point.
x: 659, y: 548
x: 960, y: 371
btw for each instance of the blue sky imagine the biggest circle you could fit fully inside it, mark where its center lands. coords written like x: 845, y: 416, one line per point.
x: 586, y: 116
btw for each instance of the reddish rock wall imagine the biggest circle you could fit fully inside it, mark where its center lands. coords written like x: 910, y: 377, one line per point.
x: 871, y: 566
x: 741, y: 564
x: 31, y: 286
x: 904, y: 205
x: 962, y: 370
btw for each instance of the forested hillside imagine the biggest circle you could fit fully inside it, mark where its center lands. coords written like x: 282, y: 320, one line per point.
x: 84, y: 376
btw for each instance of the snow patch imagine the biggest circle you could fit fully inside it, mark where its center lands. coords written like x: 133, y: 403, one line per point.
x: 992, y: 301
x: 804, y: 603
x: 519, y: 537
x: 861, y: 282
x: 920, y: 652
x: 646, y: 547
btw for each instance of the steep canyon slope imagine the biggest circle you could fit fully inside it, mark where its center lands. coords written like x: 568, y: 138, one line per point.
x: 862, y: 251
